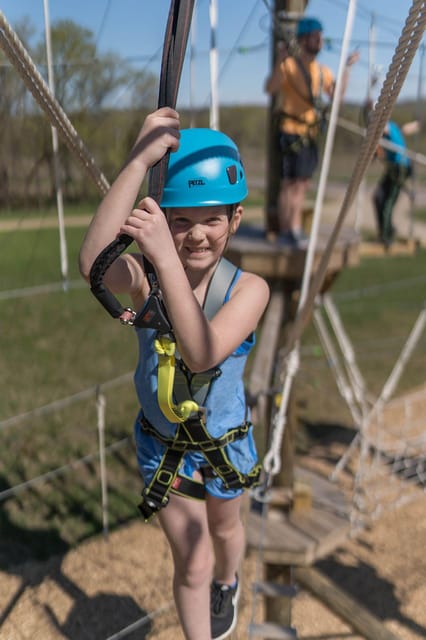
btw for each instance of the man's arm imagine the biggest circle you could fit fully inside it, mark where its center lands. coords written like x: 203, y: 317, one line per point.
x: 274, y: 81
x: 352, y: 59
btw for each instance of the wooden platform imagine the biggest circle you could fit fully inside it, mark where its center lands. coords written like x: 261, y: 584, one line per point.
x: 252, y: 251
x: 301, y: 537
x: 399, y: 248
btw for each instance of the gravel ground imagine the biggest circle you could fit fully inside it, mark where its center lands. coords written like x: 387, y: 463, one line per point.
x: 104, y: 585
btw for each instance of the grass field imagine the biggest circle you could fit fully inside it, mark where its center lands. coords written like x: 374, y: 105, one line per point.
x: 54, y: 345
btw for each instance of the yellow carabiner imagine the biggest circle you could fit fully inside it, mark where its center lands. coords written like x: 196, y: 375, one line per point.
x: 165, y: 348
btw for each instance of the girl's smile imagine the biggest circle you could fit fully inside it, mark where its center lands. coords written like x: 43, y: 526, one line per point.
x: 198, y: 232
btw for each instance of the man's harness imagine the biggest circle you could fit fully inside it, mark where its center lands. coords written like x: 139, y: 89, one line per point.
x: 315, y: 101
x: 179, y: 382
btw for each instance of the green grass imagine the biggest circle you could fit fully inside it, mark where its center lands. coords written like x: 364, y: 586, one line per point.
x: 379, y: 302
x: 58, y: 344
x: 420, y: 215
x: 46, y: 211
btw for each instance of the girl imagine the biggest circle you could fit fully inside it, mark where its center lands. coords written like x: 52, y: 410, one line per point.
x: 199, y: 504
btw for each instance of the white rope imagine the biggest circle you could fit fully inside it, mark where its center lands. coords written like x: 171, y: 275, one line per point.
x: 387, y: 391
x: 357, y: 381
x: 21, y: 60
x: 272, y: 460
x: 343, y: 385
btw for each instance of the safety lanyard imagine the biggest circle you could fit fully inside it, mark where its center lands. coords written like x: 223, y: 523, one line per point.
x: 153, y: 313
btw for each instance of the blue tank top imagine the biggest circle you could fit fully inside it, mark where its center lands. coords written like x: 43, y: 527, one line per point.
x: 225, y: 403
x: 395, y: 136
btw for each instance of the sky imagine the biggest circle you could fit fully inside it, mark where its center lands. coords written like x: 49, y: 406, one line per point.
x: 135, y: 30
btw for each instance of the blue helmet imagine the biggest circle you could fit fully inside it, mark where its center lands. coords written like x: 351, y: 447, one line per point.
x: 305, y: 26
x: 206, y: 170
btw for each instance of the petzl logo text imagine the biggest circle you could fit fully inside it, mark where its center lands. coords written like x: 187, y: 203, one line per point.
x: 196, y: 183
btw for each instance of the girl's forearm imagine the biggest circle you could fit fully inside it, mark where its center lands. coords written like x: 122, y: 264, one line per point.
x: 111, y: 214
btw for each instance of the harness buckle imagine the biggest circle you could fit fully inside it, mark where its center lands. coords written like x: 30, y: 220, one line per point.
x: 128, y: 316
x: 153, y: 314
x: 150, y: 506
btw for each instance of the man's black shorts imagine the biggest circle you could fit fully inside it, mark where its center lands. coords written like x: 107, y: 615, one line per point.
x: 299, y: 156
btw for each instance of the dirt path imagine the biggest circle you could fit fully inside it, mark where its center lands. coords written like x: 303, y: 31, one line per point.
x: 104, y: 586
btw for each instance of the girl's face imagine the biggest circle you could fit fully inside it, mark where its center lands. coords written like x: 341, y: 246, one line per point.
x: 200, y: 233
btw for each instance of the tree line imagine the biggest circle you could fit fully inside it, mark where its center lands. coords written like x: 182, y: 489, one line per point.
x: 92, y: 87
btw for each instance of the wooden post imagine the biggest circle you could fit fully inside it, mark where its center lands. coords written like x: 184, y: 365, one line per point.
x: 278, y: 609
x: 284, y: 18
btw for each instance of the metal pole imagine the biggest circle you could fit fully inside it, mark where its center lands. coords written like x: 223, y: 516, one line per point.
x: 100, y: 408
x: 420, y: 119
x: 371, y: 55
x: 214, y: 109
x: 193, y: 35
x: 55, y: 147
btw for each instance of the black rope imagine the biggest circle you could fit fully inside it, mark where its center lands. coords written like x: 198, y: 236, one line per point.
x: 153, y: 313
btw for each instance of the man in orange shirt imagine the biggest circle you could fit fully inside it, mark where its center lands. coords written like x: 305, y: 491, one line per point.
x: 301, y: 83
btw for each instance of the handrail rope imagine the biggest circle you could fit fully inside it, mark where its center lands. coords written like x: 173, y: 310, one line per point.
x: 21, y: 60
x: 404, y: 53
x: 152, y: 313
x: 415, y: 156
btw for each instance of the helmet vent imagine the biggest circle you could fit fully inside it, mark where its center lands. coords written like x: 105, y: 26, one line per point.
x: 232, y: 174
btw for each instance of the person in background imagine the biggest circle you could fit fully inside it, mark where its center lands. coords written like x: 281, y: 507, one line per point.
x: 195, y: 469
x: 301, y: 83
x: 397, y: 169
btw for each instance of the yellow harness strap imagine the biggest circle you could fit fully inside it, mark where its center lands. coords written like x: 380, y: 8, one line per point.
x: 165, y: 348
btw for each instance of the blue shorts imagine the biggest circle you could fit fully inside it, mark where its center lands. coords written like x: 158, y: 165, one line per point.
x: 299, y: 156
x: 241, y: 453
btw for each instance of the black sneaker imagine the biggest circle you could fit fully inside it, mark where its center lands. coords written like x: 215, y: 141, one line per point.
x: 223, y: 609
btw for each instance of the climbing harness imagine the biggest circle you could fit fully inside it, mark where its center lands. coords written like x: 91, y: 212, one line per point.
x: 153, y: 313
x: 192, y: 435
x: 175, y: 379
x: 187, y: 383
x: 320, y: 108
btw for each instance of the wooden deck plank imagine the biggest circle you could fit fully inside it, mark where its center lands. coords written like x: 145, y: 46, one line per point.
x: 300, y: 538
